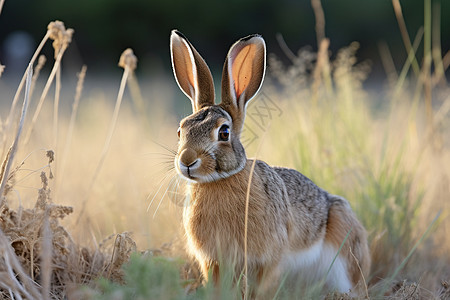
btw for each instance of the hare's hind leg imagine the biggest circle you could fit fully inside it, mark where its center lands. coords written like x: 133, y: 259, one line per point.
x: 355, y: 256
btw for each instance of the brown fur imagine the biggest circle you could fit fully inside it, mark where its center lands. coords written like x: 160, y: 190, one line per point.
x: 341, y: 221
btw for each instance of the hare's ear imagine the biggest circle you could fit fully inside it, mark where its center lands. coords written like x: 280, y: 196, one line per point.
x: 243, y: 73
x: 191, y: 72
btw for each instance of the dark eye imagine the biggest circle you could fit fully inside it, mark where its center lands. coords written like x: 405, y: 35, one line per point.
x: 224, y: 133
x: 179, y: 131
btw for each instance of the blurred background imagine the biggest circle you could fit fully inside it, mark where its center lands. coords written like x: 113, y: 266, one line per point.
x: 104, y: 28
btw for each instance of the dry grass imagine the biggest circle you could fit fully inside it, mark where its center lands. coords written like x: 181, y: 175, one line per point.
x: 50, y: 264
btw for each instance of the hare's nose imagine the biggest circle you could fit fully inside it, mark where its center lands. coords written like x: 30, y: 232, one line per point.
x: 188, y: 158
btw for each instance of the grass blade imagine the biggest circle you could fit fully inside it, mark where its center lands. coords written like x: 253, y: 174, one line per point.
x: 405, y: 35
x: 14, y: 146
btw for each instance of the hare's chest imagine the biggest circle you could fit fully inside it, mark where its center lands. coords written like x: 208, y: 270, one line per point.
x: 215, y: 223
x: 214, y: 228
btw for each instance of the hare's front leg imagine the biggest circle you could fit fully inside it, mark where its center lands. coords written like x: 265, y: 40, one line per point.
x: 262, y: 282
x: 210, y: 268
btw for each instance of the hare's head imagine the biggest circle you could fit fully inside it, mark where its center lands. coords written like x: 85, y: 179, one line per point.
x: 209, y: 146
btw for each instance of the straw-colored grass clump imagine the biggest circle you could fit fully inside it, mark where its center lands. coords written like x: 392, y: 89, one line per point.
x: 36, y: 247
x: 50, y: 264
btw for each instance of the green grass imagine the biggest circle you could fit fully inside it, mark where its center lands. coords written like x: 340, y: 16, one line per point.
x: 145, y: 278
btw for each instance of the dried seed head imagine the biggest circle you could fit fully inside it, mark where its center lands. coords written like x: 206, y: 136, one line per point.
x: 128, y: 59
x: 60, y: 35
x: 55, y: 28
x: 51, y: 156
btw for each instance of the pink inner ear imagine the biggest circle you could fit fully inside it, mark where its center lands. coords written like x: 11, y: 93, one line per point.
x: 242, y: 68
x: 188, y: 65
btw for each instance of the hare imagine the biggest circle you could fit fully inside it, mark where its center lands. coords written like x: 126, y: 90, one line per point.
x: 294, y: 227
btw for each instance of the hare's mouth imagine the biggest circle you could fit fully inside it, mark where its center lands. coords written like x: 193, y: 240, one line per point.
x: 189, y: 170
x: 188, y: 175
x: 196, y: 175
x: 203, y: 178
x: 196, y: 168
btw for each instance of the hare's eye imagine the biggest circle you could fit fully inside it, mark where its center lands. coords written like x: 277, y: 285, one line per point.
x: 179, y: 131
x: 224, y: 133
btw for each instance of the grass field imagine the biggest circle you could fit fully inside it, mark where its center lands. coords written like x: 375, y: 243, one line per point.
x: 82, y: 192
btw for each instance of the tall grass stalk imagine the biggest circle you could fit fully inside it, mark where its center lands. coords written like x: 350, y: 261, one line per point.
x: 247, y: 200
x: 337, y: 254
x: 427, y: 62
x: 405, y: 35
x: 1, y: 5
x: 320, y: 21
x: 22, y: 81
x: 364, y: 281
x: 56, y: 108
x: 388, y: 63
x: 46, y: 257
x: 411, y: 55
x: 321, y: 70
x: 43, y: 96
x: 20, y: 87
x: 439, y: 76
x: 12, y: 152
x: 37, y: 71
x: 285, y: 48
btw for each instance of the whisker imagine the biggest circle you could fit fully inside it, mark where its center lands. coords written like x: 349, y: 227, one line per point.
x: 159, y: 153
x: 176, y: 191
x: 164, y: 163
x: 177, y: 186
x: 166, y: 147
x: 162, y: 198
x: 157, y: 192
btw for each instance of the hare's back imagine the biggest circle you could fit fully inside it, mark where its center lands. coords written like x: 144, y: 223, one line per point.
x: 302, y: 190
